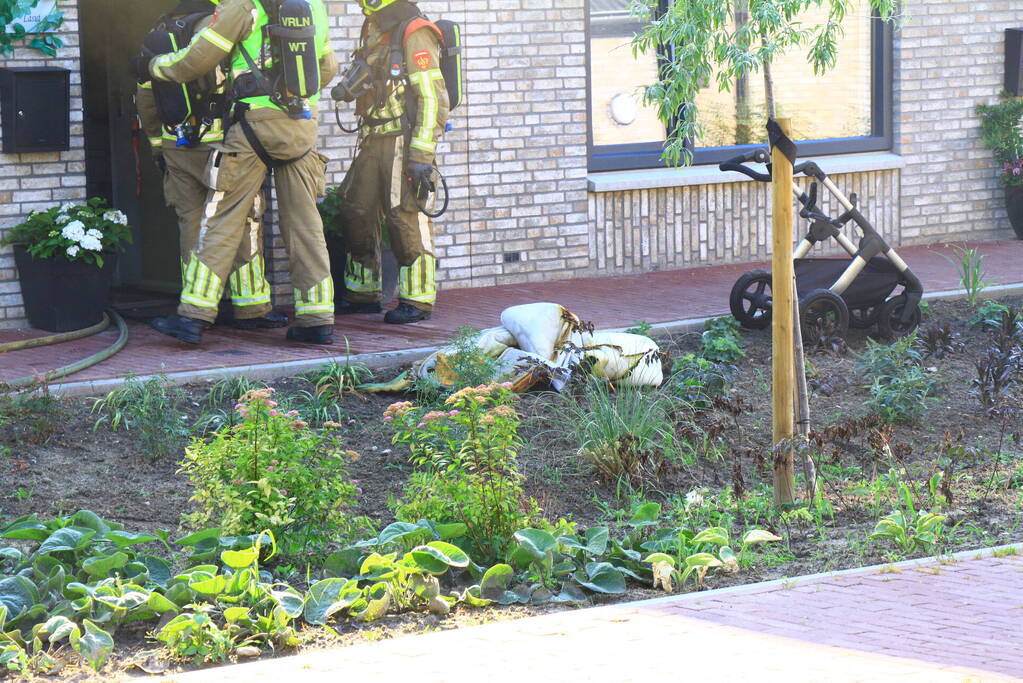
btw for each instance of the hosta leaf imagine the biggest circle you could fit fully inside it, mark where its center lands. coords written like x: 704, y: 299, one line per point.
x: 100, y: 566
x: 159, y: 570
x: 235, y: 614
x: 377, y: 567
x: 66, y: 539
x: 759, y: 536
x: 290, y: 602
x: 12, y: 555
x: 160, y: 603
x: 601, y: 577
x: 17, y: 594
x: 402, y: 532
x: 472, y: 597
x: 343, y: 563
x: 327, y: 597
x: 494, y: 585
x: 86, y: 519
x: 536, y: 542
x: 645, y: 515
x: 660, y: 557
x: 123, y: 539
x: 378, y: 602
x: 240, y: 559
x: 26, y: 529
x: 571, y: 592
x: 94, y: 645
x: 702, y: 560
x: 58, y: 628
x: 437, y: 556
x: 193, y: 539
x: 714, y: 535
x: 214, y: 585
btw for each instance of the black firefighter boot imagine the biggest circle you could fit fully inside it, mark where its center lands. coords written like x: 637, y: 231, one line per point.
x: 342, y: 307
x: 188, y: 330
x: 405, y: 313
x: 270, y: 321
x: 321, y: 334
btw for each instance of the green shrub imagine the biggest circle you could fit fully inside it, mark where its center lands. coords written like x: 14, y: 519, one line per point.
x: 989, y: 315
x: 150, y: 408
x: 881, y: 358
x: 468, y: 366
x: 720, y: 341
x: 271, y: 471
x: 35, y: 413
x: 467, y: 458
x: 904, y: 395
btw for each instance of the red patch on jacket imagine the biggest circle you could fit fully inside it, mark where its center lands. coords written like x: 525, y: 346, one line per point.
x: 422, y: 59
x: 213, y: 20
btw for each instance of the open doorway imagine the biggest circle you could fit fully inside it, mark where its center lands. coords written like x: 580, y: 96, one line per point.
x: 118, y: 164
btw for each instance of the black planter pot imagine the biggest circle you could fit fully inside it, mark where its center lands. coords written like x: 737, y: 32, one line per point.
x: 60, y: 295
x: 1014, y: 207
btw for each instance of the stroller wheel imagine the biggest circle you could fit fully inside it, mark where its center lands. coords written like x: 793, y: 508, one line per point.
x: 889, y: 321
x: 862, y: 318
x: 750, y: 299
x: 822, y: 314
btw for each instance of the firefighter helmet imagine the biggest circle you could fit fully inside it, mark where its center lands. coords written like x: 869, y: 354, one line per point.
x: 370, y: 6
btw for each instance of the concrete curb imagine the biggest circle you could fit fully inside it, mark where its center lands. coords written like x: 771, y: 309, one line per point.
x: 386, y: 359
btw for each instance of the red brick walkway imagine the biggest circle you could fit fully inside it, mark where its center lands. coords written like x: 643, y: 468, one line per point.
x: 609, y: 302
x: 929, y: 622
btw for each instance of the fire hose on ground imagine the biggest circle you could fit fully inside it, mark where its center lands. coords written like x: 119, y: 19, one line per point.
x: 77, y: 366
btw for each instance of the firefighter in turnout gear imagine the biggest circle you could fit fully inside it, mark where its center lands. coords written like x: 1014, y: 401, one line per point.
x: 402, y: 116
x: 184, y: 189
x: 273, y: 128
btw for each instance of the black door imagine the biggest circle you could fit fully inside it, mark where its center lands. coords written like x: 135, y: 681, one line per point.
x: 118, y: 163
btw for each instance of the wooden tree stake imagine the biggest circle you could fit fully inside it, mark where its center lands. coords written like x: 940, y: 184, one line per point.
x: 783, y: 383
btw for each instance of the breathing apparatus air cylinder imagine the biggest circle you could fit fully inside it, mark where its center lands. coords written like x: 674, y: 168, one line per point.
x: 294, y: 40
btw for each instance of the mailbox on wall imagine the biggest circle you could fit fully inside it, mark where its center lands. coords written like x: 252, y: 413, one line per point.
x: 1014, y: 60
x: 35, y: 109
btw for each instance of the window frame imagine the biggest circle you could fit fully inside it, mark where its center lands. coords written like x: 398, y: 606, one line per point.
x: 647, y: 155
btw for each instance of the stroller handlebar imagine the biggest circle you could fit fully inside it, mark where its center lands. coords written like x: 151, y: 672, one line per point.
x: 758, y: 155
x: 761, y: 156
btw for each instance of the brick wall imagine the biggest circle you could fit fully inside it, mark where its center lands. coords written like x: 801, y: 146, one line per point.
x: 515, y: 160
x: 638, y: 231
x: 949, y: 58
x: 38, y: 181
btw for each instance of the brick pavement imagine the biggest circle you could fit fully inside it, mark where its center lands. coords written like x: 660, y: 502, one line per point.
x: 609, y: 302
x: 928, y: 622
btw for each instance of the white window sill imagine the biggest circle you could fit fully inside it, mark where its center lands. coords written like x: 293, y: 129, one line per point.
x: 647, y: 179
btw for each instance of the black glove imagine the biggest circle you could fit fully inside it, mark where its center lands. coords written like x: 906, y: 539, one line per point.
x: 420, y: 178
x: 140, y: 67
x: 161, y: 163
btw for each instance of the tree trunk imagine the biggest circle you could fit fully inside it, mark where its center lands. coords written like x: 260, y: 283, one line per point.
x: 743, y: 115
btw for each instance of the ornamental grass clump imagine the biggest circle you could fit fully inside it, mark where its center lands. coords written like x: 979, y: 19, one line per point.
x: 271, y: 471
x: 468, y: 473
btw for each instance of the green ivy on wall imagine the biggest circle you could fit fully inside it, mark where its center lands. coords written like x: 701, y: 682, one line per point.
x: 11, y: 31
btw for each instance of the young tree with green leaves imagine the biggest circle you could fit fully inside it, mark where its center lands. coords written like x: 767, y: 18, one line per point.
x: 727, y: 40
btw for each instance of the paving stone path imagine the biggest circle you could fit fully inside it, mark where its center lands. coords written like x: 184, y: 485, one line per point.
x: 929, y: 622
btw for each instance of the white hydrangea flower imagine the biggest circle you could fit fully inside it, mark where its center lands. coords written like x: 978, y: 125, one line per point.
x: 94, y: 233
x: 694, y: 497
x: 115, y: 216
x: 62, y: 218
x: 74, y: 231
x: 73, y: 250
x: 67, y: 206
x: 91, y: 243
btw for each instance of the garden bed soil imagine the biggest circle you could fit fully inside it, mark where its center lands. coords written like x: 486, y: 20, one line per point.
x: 59, y: 462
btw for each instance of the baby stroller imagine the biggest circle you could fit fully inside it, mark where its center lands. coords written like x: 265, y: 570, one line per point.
x: 834, y: 294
